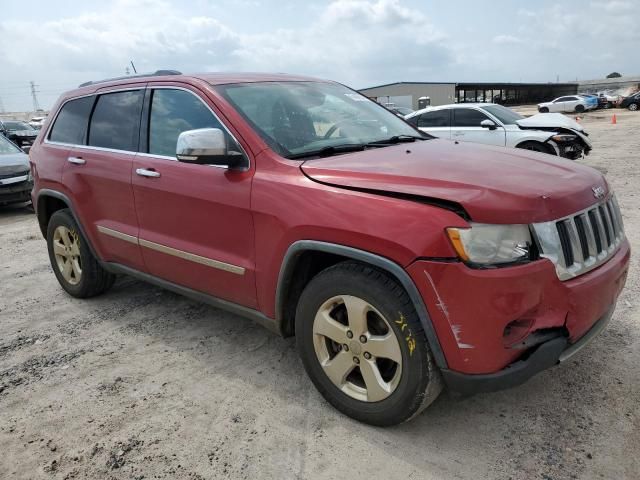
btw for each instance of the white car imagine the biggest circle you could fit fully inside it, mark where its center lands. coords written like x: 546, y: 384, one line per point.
x: 494, y: 124
x: 567, y: 104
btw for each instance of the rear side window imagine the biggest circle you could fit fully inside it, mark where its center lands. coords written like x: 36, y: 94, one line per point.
x: 115, y: 122
x: 468, y: 117
x: 173, y: 112
x: 438, y: 118
x: 72, y: 121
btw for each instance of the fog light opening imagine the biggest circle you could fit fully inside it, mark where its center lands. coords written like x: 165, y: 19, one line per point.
x: 516, y: 331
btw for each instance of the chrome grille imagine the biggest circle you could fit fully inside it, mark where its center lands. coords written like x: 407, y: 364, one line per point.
x: 582, y: 241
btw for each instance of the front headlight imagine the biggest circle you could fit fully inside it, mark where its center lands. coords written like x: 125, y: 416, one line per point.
x: 487, y: 244
x: 564, y: 138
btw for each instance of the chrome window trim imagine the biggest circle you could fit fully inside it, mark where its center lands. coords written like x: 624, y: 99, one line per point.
x: 192, y: 257
x: 549, y: 241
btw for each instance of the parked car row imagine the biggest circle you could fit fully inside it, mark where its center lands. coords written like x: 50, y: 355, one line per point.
x: 494, y: 124
x: 583, y: 102
x: 20, y: 133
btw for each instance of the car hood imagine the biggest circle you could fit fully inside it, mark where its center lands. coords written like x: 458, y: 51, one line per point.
x: 13, y: 163
x: 549, y: 120
x: 492, y: 184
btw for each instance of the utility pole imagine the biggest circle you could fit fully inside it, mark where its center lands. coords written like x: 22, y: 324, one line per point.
x: 36, y: 105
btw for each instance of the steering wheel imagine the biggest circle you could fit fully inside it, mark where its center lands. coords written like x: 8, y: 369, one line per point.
x: 337, y: 125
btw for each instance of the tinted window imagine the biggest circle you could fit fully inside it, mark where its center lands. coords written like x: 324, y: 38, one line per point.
x: 116, y: 121
x: 438, y: 118
x: 564, y: 99
x: 467, y: 117
x: 173, y: 112
x: 71, y: 123
x: 505, y: 115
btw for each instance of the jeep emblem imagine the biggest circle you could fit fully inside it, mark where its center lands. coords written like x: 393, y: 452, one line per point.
x: 598, y: 192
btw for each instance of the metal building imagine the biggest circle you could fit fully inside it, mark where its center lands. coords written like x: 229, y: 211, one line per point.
x: 408, y: 94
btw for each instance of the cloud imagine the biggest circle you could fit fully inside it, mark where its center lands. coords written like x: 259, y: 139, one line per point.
x: 506, y: 40
x: 353, y: 41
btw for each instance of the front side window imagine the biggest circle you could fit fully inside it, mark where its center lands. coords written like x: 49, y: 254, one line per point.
x: 298, y: 119
x: 437, y: 118
x: 115, y: 122
x: 468, y: 117
x: 72, y: 121
x: 174, y: 112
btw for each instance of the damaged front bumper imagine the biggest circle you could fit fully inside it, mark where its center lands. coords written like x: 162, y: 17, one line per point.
x: 498, y: 327
x: 544, y: 356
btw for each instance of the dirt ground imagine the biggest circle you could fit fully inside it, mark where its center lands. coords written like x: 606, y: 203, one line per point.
x: 142, y: 383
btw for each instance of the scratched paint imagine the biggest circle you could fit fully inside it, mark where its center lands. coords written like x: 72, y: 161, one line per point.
x: 456, y: 329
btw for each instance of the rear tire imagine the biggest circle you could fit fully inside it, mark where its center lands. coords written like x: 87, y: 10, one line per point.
x: 77, y: 270
x: 536, y: 147
x: 363, y: 346
x: 579, y: 108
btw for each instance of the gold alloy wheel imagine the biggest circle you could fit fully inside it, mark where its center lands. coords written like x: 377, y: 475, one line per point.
x: 357, y: 348
x: 66, y: 249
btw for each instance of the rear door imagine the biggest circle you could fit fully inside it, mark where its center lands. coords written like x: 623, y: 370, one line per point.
x: 196, y: 227
x: 435, y: 122
x: 99, y: 176
x: 466, y: 127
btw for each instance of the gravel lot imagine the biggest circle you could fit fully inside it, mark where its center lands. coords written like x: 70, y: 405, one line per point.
x: 142, y: 383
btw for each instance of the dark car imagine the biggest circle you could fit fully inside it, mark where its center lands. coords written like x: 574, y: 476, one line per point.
x: 632, y: 102
x: 15, y: 175
x: 20, y: 133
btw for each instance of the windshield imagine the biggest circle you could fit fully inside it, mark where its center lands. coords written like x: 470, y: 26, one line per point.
x: 17, y: 126
x: 300, y: 118
x: 7, y: 147
x: 504, y: 114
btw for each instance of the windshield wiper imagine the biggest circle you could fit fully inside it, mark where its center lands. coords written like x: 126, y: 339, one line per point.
x: 328, y: 151
x: 397, y: 139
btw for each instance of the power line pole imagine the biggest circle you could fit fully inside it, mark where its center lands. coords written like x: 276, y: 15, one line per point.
x: 36, y: 105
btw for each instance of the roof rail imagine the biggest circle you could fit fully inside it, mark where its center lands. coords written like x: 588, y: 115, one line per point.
x: 157, y: 73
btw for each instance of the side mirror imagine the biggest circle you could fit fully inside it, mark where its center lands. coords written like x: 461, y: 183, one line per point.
x: 208, y: 146
x: 488, y: 124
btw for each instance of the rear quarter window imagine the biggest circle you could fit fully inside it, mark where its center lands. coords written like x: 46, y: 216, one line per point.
x: 72, y: 121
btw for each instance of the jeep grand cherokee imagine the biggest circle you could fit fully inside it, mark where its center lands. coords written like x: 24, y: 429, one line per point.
x: 401, y: 263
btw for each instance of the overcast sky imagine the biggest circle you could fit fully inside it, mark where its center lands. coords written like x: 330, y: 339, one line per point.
x: 59, y: 44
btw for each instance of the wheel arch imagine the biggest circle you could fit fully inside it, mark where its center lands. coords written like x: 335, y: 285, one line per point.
x: 296, y: 272
x: 50, y: 201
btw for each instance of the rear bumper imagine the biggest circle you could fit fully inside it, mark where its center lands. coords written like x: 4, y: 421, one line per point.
x: 541, y: 358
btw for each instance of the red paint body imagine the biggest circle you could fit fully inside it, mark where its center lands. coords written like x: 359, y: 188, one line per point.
x: 250, y: 219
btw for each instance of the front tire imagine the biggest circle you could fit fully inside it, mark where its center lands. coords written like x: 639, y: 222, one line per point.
x: 579, y: 108
x: 363, y: 346
x: 544, y: 110
x: 75, y: 267
x: 633, y: 107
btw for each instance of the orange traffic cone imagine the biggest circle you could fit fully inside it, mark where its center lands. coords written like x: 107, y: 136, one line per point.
x: 614, y: 120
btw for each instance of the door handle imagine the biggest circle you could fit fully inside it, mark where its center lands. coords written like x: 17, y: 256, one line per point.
x: 145, y: 172
x: 76, y: 160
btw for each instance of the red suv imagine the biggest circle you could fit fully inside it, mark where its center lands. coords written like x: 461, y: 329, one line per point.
x: 402, y: 263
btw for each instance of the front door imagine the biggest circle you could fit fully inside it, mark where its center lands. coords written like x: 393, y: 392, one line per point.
x: 196, y: 228
x: 466, y: 127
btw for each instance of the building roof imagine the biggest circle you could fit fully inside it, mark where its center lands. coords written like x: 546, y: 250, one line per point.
x: 477, y: 84
x: 631, y: 79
